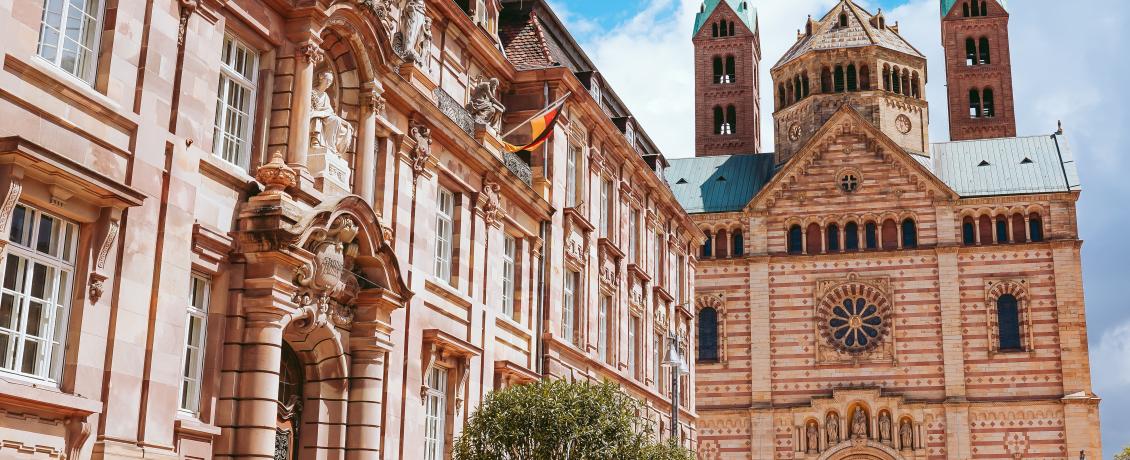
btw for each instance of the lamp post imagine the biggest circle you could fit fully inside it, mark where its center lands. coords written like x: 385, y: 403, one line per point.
x: 678, y: 365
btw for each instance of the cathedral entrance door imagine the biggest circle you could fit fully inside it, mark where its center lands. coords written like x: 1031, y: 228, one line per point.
x: 289, y: 417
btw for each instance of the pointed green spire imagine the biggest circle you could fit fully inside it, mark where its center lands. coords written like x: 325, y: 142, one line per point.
x: 744, y: 8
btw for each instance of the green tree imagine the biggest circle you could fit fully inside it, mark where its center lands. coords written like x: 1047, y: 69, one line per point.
x: 1124, y: 455
x: 558, y: 420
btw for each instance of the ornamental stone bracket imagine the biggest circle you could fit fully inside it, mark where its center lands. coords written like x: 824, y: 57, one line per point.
x: 15, y: 188
x: 446, y: 350
x: 488, y: 203
x: 326, y: 287
x: 109, y: 223
x: 416, y: 150
x: 76, y: 430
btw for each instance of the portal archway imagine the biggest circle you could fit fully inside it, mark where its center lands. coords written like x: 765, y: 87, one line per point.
x: 860, y: 449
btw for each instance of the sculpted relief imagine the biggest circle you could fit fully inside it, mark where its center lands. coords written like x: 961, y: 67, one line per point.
x: 485, y: 106
x: 328, y: 130
x: 414, y: 40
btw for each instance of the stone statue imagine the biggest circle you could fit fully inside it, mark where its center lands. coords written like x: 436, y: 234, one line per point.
x: 859, y: 424
x: 813, y: 438
x: 414, y: 24
x: 327, y: 129
x: 485, y: 106
x: 884, y: 427
x: 833, y: 429
x: 906, y: 435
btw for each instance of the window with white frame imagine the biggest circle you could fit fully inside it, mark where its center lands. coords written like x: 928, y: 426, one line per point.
x: 195, y: 328
x: 605, y: 217
x: 604, y: 313
x: 235, y: 102
x: 573, y: 165
x: 38, y: 272
x: 633, y: 333
x: 657, y: 359
x: 509, y: 251
x: 569, y: 306
x: 68, y: 35
x: 435, y: 413
x: 634, y: 237
x: 445, y: 224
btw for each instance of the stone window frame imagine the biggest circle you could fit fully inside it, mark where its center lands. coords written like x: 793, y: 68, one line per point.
x: 198, y: 307
x: 89, y: 74
x: 1021, y: 289
x: 717, y: 301
x: 230, y: 75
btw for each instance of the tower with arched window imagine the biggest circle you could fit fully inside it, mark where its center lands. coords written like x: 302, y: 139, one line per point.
x: 853, y: 57
x: 727, y: 58
x: 978, y: 69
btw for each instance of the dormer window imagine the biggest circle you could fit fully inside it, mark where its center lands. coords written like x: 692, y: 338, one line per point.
x: 843, y: 20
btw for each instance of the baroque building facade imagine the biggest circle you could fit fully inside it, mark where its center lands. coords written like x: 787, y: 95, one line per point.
x: 863, y: 293
x: 293, y: 230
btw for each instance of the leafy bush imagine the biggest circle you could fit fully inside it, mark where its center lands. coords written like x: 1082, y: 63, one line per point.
x: 558, y: 420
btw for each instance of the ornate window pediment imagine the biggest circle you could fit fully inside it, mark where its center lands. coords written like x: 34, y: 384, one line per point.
x: 441, y: 347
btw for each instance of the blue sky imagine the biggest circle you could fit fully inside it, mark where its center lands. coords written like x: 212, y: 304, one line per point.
x: 1070, y: 62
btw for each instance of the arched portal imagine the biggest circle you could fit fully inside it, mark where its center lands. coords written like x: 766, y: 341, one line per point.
x: 860, y: 449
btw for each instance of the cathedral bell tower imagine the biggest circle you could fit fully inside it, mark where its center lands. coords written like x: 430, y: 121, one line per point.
x: 850, y: 57
x: 727, y: 56
x: 978, y: 69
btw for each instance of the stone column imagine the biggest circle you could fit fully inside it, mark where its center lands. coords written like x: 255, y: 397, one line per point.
x: 370, y: 342
x: 259, y: 386
x: 307, y: 57
x: 365, y: 168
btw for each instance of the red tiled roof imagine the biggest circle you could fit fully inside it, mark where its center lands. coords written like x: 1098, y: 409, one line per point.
x: 524, y: 42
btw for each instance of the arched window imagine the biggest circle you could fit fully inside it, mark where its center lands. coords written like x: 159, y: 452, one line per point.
x: 909, y: 234
x: 851, y: 237
x: 969, y: 232
x: 984, y: 8
x: 797, y: 92
x: 984, y: 48
x: 791, y: 91
x: 731, y: 28
x: 839, y: 79
x: 833, y: 238
x: 714, y: 29
x: 1002, y: 230
x: 890, y: 234
x: 814, y: 239
x: 708, y: 334
x: 895, y: 84
x: 905, y: 82
x: 804, y: 84
x: 782, y: 95
x: 974, y: 104
x: 719, y: 120
x: 986, y: 224
x: 852, y: 78
x: 1008, y: 323
x: 886, y: 77
x: 1036, y: 228
x: 970, y: 51
x: 988, y: 109
x: 721, y: 250
x: 865, y: 78
x: 1019, y: 228
x: 965, y: 9
x: 796, y: 240
x: 843, y: 20
x: 825, y: 80
x: 739, y: 243
x: 732, y: 119
x: 915, y: 86
x: 708, y: 247
x: 718, y: 71
x: 731, y: 70
x: 871, y: 235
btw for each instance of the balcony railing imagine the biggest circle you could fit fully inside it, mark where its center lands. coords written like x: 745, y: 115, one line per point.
x: 455, y: 111
x: 519, y: 167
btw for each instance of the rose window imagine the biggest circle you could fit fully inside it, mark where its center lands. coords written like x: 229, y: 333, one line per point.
x: 854, y: 317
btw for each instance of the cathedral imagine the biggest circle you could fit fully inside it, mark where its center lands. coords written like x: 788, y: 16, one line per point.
x: 863, y: 292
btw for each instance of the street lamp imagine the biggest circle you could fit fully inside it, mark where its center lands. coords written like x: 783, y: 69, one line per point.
x: 678, y: 365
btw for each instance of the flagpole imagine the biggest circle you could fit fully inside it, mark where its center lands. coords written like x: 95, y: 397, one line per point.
x: 542, y: 112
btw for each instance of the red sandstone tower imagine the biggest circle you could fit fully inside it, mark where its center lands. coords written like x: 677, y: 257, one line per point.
x: 727, y: 56
x: 978, y: 69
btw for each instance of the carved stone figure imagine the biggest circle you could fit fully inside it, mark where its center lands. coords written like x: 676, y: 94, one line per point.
x: 906, y: 435
x: 327, y: 129
x: 833, y: 429
x: 813, y: 438
x: 859, y: 424
x: 415, y: 31
x: 885, y: 427
x: 485, y: 106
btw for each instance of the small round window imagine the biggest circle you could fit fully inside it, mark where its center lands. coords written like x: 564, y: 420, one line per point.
x: 849, y: 182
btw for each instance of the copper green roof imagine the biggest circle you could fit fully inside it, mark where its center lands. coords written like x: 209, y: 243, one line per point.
x: 947, y: 5
x: 747, y: 13
x: 723, y: 183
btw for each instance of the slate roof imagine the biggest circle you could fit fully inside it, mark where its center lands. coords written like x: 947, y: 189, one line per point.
x: 989, y: 167
x: 827, y: 34
x: 947, y: 5
x: 1008, y: 166
x: 745, y: 11
x: 721, y: 183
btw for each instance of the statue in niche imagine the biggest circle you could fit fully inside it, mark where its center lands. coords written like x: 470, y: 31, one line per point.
x: 859, y: 424
x: 906, y: 435
x: 484, y: 105
x: 885, y: 427
x: 415, y: 36
x: 327, y: 129
x: 833, y: 429
x: 813, y: 438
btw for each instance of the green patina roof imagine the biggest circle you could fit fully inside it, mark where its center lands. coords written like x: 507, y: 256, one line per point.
x: 947, y: 5
x: 723, y: 183
x: 1006, y: 166
x: 747, y: 13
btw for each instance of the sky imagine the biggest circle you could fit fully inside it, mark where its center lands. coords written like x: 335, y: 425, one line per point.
x: 1070, y: 62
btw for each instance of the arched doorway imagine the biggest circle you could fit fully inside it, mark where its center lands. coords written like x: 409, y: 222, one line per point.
x: 860, y: 449
x: 290, y: 400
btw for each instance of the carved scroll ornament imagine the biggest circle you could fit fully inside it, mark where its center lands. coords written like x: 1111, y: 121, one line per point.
x: 326, y: 285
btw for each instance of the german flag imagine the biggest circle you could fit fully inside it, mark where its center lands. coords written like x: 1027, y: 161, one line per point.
x: 540, y: 126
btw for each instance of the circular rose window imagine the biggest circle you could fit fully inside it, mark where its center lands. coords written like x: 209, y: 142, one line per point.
x: 902, y: 123
x: 854, y: 317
